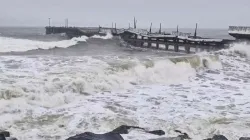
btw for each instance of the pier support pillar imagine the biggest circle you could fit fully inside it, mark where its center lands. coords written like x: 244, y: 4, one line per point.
x: 149, y: 43
x: 176, y: 48
x: 166, y: 46
x: 157, y: 43
x: 135, y: 43
x: 142, y: 43
x: 187, y: 49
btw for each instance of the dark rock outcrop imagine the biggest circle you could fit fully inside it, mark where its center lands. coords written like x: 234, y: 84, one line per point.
x: 217, y: 137
x: 244, y: 138
x: 92, y: 136
x: 5, y: 135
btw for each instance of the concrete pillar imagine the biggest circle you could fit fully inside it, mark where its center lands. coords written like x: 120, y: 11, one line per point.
x: 136, y: 37
x: 157, y: 43
x: 176, y: 48
x: 149, y: 43
x: 166, y: 46
x: 187, y: 49
x: 142, y: 41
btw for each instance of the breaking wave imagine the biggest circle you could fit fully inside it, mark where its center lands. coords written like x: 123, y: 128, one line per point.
x: 95, y: 75
x: 45, y: 93
x: 241, y: 48
x: 22, y: 45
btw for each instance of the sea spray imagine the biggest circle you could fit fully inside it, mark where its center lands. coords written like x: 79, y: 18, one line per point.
x: 107, y: 36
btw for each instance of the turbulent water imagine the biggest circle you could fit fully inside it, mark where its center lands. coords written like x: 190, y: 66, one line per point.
x: 53, y: 88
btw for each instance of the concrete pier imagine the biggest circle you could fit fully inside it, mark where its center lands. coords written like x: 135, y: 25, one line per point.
x: 176, y: 41
x: 179, y: 43
x: 80, y: 31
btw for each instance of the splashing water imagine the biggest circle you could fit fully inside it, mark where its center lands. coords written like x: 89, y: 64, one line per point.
x: 241, y: 48
x: 108, y: 36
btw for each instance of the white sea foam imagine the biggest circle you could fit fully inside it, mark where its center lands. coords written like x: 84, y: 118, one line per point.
x: 108, y: 36
x: 20, y: 45
x: 242, y: 48
x: 47, y: 97
x: 86, y: 74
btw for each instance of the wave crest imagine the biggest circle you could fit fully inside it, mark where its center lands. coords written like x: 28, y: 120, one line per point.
x: 88, y: 75
x: 22, y: 45
x: 237, y: 49
x: 241, y: 48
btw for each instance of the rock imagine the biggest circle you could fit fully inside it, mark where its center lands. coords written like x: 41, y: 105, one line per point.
x: 244, y: 138
x: 169, y: 138
x: 93, y: 136
x: 217, y: 137
x: 5, y: 133
x: 2, y: 137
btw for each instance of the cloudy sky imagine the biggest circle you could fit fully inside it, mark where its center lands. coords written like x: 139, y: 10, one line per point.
x: 207, y: 13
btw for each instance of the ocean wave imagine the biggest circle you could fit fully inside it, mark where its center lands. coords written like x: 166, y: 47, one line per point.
x: 84, y: 75
x: 21, y: 45
x: 237, y: 49
x: 57, y: 97
x: 241, y: 48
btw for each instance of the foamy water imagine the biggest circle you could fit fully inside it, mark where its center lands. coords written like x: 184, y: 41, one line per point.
x: 108, y: 36
x: 21, y: 45
x: 54, y: 97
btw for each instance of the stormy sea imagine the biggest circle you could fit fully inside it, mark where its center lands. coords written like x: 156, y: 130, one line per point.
x: 52, y: 87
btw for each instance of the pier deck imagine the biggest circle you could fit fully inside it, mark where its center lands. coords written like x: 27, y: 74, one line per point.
x: 142, y: 38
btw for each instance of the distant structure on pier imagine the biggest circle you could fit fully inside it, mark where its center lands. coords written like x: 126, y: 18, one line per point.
x: 239, y: 32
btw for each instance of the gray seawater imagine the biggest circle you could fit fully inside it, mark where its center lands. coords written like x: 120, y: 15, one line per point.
x: 53, y: 88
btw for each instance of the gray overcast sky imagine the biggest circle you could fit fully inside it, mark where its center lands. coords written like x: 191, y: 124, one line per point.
x: 208, y: 13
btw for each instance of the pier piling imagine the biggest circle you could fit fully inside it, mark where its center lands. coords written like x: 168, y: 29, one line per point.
x: 166, y: 46
x: 176, y: 48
